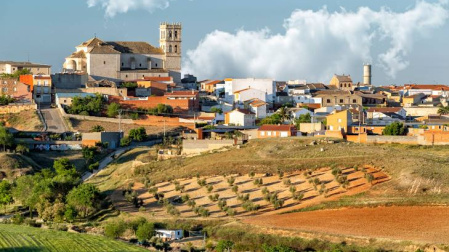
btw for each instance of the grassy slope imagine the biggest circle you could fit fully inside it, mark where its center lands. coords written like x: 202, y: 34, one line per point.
x: 420, y: 175
x: 22, y: 238
x: 25, y: 120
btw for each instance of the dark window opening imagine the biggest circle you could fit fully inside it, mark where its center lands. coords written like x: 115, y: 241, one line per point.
x: 104, y: 62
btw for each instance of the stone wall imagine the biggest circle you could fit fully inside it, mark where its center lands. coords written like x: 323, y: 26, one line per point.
x: 17, y: 108
x: 190, y: 147
x: 393, y: 139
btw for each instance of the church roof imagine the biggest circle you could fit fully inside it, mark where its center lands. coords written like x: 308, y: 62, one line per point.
x: 79, y: 54
x: 98, y: 46
x: 343, y: 78
x: 91, y: 42
x: 135, y: 47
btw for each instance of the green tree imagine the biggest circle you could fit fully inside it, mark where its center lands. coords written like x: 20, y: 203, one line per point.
x: 126, y: 141
x: 224, y: 246
x: 273, y: 119
x: 305, y: 118
x: 16, y: 74
x: 6, y: 138
x: 145, y: 231
x: 113, y: 109
x: 22, y: 148
x: 5, y: 193
x: 138, y: 134
x: 89, y: 154
x: 443, y: 110
x: 85, y: 199
x: 66, y: 176
x: 115, y: 229
x: 283, y: 114
x: 97, y: 128
x: 395, y: 129
x: 5, y: 99
x: 216, y: 110
x: 89, y: 105
x: 70, y: 213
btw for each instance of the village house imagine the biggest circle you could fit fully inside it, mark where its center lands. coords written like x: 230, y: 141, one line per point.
x: 240, y: 117
x: 10, y: 67
x: 338, y: 97
x: 272, y: 131
x: 339, y: 121
x: 385, y: 116
x: 267, y: 86
x: 40, y: 86
x: 16, y: 89
x: 258, y: 107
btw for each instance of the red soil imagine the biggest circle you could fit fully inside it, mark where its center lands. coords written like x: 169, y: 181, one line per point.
x: 421, y: 224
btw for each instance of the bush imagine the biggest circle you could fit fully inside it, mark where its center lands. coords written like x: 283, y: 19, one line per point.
x: 209, y: 188
x: 113, y: 110
x: 292, y: 189
x: 395, y: 129
x: 97, y: 128
x: 252, y: 174
x: 231, y: 181
x: 126, y: 141
x: 243, y: 197
x: 214, y: 197
x: 369, y: 177
x: 185, y: 198
x: 145, y: 231
x: 115, y: 229
x: 258, y: 182
x: 224, y: 246
x: 235, y: 189
x: 94, y: 166
x: 287, y: 182
x: 250, y: 206
x: 138, y: 134
x: 201, y: 182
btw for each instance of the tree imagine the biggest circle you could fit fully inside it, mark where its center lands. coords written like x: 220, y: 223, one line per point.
x: 89, y: 105
x: 224, y: 246
x: 161, y: 109
x: 126, y: 141
x: 22, y: 148
x: 145, y: 231
x: 443, y: 110
x: 5, y: 99
x: 216, y: 110
x: 395, y: 129
x: 5, y: 193
x: 6, y: 138
x: 284, y: 114
x: 138, y: 134
x: 97, y: 128
x: 16, y: 74
x: 305, y: 118
x: 273, y: 119
x: 89, y: 154
x: 113, y: 109
x: 115, y: 229
x: 66, y: 176
x: 85, y: 199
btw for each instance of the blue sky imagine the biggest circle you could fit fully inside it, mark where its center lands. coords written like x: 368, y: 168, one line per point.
x: 48, y: 30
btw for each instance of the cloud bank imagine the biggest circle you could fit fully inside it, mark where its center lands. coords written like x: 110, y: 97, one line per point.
x: 114, y: 7
x: 317, y: 44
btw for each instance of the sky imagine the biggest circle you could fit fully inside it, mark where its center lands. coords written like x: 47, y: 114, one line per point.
x: 405, y: 41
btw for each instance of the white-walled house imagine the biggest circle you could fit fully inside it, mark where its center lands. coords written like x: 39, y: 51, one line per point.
x: 258, y: 107
x: 169, y: 234
x: 240, y: 117
x: 385, y: 116
x: 247, y: 94
x: 295, y: 113
x: 306, y: 99
x: 266, y: 85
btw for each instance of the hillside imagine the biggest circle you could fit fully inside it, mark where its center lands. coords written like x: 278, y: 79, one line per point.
x: 22, y: 238
x: 23, y: 121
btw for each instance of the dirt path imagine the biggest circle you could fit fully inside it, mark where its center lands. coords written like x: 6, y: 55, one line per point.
x: 420, y: 224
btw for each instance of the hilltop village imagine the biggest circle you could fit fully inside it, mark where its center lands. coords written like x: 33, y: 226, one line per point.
x: 120, y: 143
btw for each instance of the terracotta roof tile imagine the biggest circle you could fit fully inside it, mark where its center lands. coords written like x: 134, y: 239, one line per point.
x: 268, y: 127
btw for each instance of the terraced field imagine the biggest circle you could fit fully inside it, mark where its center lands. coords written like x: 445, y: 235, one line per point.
x: 22, y: 238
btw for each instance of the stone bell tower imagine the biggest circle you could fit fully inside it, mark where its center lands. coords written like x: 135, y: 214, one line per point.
x: 170, y: 43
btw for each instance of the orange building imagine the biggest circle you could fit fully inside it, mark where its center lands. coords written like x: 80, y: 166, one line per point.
x: 271, y: 131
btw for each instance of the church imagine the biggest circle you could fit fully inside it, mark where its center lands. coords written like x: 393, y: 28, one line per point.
x: 127, y: 60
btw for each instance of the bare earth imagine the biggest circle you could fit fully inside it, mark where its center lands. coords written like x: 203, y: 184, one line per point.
x: 86, y: 126
x: 424, y: 224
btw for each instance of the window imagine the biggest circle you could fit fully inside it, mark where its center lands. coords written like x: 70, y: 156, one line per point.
x: 15, y: 89
x: 176, y: 48
x: 170, y: 49
x: 126, y: 76
x: 15, y: 82
x: 354, y: 101
x: 269, y: 133
x: 341, y: 100
x: 169, y: 34
x: 104, y: 62
x: 156, y: 64
x: 140, y: 64
x: 38, y: 83
x: 328, y: 100
x: 339, y: 120
x: 123, y: 63
x: 262, y: 133
x: 176, y: 34
x: 4, y: 90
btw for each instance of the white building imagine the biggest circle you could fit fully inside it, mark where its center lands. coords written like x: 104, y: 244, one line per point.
x: 169, y: 234
x: 297, y: 112
x: 385, y: 116
x: 246, y: 94
x: 240, y: 117
x: 266, y: 85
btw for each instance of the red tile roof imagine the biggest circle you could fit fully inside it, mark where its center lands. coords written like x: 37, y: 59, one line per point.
x: 268, y: 127
x: 213, y: 82
x: 157, y: 78
x: 385, y: 110
x: 427, y: 86
x: 182, y: 93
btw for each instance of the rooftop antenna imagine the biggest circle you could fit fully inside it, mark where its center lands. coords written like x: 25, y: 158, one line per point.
x: 28, y: 56
x: 95, y: 35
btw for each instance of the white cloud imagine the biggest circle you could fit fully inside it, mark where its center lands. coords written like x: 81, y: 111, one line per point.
x: 317, y: 44
x: 114, y: 7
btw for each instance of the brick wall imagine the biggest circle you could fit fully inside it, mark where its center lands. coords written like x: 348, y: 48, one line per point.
x: 179, y: 106
x: 17, y: 108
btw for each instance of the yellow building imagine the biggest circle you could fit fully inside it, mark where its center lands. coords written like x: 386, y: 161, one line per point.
x: 343, y: 82
x: 339, y: 121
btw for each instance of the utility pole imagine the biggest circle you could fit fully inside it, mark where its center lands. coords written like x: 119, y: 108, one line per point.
x: 120, y: 120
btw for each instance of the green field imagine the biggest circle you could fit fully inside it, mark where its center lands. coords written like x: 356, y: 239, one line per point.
x: 23, y: 238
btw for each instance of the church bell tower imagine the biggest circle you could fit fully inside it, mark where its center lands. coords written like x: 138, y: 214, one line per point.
x: 170, y: 43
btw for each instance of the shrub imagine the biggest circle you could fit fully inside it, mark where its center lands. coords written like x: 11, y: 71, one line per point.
x: 115, y: 229
x: 265, y: 190
x: 235, y: 189
x: 230, y: 212
x: 191, y: 203
x: 224, y: 246
x: 152, y: 190
x: 179, y: 188
x: 292, y: 189
x: 280, y: 173
x: 145, y: 231
x: 258, y: 182
x: 126, y: 141
x: 172, y: 210
x: 97, y: 128
x: 250, y: 206
x: 222, y: 204
x: 185, y: 198
x: 369, y: 177
x: 287, y: 182
x: 243, y: 197
x: 298, y: 196
x: 94, y: 166
x: 214, y: 197
x: 201, y: 182
x: 209, y: 188
x: 231, y: 181
x: 252, y: 174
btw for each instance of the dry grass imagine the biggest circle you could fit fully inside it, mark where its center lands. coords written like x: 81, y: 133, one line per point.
x: 86, y: 126
x: 24, y: 121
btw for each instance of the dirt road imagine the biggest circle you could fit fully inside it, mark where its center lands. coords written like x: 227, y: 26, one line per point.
x: 420, y: 224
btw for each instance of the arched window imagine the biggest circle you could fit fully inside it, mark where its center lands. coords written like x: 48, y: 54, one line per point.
x: 176, y: 48
x: 176, y: 34
x: 170, y: 49
x: 169, y: 34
